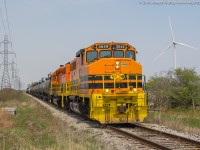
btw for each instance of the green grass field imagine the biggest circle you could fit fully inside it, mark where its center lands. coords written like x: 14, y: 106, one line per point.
x: 186, y: 120
x: 35, y: 128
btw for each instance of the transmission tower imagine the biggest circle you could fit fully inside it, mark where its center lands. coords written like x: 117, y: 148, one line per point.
x: 5, y: 83
x: 16, y: 83
x: 13, y: 79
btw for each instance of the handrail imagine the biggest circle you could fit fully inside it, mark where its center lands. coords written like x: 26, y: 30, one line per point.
x: 136, y: 81
x: 103, y: 82
x: 145, y: 89
x: 115, y: 76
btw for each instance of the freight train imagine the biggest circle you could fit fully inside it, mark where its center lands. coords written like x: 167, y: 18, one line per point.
x: 104, y: 82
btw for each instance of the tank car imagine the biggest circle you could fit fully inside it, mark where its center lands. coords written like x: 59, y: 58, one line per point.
x: 43, y: 88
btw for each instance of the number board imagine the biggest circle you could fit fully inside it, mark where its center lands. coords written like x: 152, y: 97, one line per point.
x: 120, y: 46
x: 103, y: 46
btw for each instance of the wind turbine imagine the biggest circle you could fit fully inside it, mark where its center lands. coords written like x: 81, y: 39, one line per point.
x: 174, y: 43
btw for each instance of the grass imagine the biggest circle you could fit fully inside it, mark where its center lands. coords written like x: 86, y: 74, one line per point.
x: 34, y: 127
x: 186, y: 120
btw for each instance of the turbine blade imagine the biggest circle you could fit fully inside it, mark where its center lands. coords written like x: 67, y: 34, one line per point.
x: 187, y: 46
x: 171, y: 29
x: 163, y: 52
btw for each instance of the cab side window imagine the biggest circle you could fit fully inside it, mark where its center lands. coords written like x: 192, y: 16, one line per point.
x: 130, y: 54
x: 91, y: 56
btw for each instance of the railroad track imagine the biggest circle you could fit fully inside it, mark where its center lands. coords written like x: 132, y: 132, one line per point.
x: 157, y: 139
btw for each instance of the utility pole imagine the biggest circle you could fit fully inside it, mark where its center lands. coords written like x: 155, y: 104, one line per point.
x: 5, y: 83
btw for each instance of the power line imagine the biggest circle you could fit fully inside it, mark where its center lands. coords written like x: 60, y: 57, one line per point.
x: 3, y: 21
x: 8, y: 22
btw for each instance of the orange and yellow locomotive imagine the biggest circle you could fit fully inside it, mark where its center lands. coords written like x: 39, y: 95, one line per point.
x: 104, y: 83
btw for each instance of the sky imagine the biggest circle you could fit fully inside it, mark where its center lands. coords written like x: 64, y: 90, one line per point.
x: 48, y: 33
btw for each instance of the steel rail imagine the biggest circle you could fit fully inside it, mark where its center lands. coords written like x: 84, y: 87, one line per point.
x: 196, y: 143
x: 145, y: 141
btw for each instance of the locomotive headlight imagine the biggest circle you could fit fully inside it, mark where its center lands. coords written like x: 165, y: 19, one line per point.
x: 107, y: 90
x: 117, y: 67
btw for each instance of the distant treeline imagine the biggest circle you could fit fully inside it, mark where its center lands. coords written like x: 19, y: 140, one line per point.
x: 174, y: 88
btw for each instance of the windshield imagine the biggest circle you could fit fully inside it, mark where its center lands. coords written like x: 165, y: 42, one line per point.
x: 91, y: 56
x: 130, y: 54
x: 105, y: 53
x: 118, y: 53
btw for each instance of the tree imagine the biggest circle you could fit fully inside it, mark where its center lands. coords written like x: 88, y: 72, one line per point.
x: 158, y: 91
x: 179, y: 88
x: 187, y: 89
